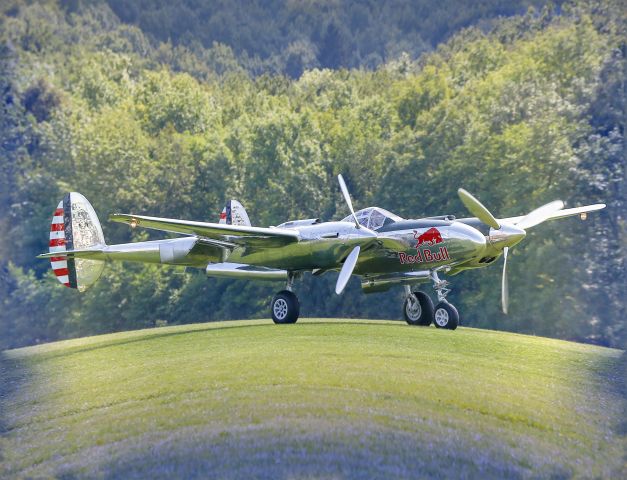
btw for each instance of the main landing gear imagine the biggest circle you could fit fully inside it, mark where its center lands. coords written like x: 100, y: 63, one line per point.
x: 285, y: 306
x: 419, y: 310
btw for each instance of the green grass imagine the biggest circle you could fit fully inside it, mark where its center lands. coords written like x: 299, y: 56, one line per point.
x: 319, y: 399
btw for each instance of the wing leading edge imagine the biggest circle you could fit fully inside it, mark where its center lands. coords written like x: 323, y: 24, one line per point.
x: 217, y: 231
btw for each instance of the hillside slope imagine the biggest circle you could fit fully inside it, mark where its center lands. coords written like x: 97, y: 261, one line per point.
x: 341, y: 398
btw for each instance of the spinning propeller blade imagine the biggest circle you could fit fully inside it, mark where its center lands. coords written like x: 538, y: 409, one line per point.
x: 512, y: 230
x: 533, y: 218
x: 347, y: 198
x: 347, y: 270
x: 475, y: 207
x: 539, y: 215
x: 504, y: 284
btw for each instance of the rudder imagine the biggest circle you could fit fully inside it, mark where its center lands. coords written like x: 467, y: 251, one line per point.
x: 74, y: 226
x: 234, y: 213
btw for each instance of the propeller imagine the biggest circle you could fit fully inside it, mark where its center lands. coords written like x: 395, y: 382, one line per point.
x: 347, y: 198
x: 504, y: 283
x: 508, y: 234
x: 347, y: 270
x: 540, y: 214
x: 351, y: 260
x: 533, y: 218
x: 477, y: 208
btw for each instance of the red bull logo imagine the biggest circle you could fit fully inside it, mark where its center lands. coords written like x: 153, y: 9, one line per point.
x: 424, y: 242
x: 429, y: 238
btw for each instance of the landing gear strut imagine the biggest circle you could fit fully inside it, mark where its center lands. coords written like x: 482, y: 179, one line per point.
x: 285, y: 306
x: 445, y: 315
x: 419, y: 310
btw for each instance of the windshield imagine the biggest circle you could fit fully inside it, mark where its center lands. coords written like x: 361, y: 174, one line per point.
x: 373, y: 217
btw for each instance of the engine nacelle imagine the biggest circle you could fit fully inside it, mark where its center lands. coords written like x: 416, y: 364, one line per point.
x: 176, y: 250
x: 244, y: 271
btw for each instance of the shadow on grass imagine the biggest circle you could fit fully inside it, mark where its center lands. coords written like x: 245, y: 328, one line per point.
x: 13, y: 376
x: 613, y: 377
x: 613, y: 384
x: 323, y: 451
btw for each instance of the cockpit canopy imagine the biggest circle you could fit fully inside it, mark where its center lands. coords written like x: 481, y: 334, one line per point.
x: 373, y: 217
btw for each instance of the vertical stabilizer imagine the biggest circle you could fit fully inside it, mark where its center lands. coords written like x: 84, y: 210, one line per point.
x: 75, y: 226
x: 234, y: 213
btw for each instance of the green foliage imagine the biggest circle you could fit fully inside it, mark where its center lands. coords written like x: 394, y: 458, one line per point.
x: 292, y: 37
x: 519, y: 111
x: 41, y: 100
x: 421, y: 94
x: 176, y: 101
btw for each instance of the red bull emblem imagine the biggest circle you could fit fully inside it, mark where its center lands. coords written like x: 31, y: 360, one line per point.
x: 430, y: 237
x: 424, y: 242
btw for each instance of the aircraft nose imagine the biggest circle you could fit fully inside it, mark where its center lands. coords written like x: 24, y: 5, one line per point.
x: 506, y: 236
x: 470, y: 234
x: 471, y: 240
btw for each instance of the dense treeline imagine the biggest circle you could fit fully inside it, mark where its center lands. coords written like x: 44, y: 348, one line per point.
x: 523, y: 112
x: 290, y: 36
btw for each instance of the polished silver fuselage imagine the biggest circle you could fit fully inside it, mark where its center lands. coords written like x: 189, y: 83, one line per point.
x: 403, y: 252
x: 323, y: 247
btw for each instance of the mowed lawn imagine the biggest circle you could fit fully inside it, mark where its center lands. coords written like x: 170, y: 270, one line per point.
x: 319, y: 399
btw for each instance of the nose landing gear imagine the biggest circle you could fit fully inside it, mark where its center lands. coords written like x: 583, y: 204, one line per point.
x: 445, y: 315
x: 419, y: 310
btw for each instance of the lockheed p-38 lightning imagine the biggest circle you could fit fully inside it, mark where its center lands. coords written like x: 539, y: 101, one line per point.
x: 383, y: 249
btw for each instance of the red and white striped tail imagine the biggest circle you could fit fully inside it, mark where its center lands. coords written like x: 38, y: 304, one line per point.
x: 57, y: 244
x: 75, y: 226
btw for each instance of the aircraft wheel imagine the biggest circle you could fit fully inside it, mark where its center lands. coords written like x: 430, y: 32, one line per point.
x: 446, y: 316
x: 285, y: 307
x: 418, y: 312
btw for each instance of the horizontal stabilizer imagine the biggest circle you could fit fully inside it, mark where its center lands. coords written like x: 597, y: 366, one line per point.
x: 94, y: 253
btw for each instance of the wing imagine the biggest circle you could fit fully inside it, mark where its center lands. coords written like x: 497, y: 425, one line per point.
x: 568, y: 212
x: 237, y: 234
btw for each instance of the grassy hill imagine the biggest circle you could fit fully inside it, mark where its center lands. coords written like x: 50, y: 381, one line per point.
x: 322, y: 398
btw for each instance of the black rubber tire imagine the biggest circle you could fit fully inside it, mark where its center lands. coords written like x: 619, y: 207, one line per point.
x: 426, y: 310
x: 446, y: 316
x: 285, y: 307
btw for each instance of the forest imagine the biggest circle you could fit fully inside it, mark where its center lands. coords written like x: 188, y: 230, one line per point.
x: 166, y: 109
